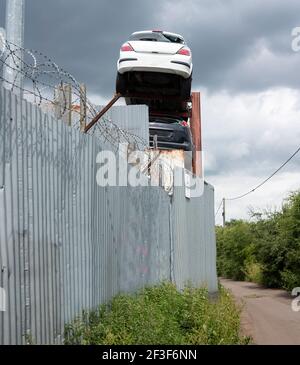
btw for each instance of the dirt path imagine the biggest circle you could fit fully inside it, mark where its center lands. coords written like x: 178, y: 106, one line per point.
x: 267, y: 315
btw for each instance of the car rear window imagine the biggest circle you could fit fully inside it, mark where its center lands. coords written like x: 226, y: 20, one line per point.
x: 156, y: 37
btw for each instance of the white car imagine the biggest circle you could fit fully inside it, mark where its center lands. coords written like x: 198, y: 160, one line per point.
x: 156, y: 62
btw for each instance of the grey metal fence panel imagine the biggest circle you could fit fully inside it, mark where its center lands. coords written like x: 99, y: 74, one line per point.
x: 194, y: 239
x: 132, y: 118
x: 67, y: 244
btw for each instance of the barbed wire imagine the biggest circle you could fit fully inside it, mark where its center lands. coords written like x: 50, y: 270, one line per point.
x: 53, y: 88
x: 45, y: 84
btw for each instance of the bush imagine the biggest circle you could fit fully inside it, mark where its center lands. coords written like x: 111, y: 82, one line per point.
x: 290, y: 280
x: 233, y: 245
x: 253, y: 272
x: 160, y: 315
x: 266, y: 251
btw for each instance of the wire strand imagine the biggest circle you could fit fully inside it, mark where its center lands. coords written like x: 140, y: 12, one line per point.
x: 266, y: 180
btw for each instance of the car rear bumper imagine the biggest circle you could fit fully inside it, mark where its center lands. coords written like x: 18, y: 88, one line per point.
x: 172, y: 145
x: 160, y: 63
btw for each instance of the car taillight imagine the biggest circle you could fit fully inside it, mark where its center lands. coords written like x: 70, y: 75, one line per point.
x: 184, y: 51
x: 126, y: 48
x: 184, y: 123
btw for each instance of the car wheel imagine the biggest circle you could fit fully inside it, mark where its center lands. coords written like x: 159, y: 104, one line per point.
x: 186, y: 86
x: 128, y: 101
x: 121, y: 84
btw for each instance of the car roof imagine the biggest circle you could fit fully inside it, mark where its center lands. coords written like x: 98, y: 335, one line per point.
x: 153, y: 31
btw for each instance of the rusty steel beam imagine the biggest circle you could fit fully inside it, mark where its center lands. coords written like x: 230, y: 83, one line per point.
x: 197, y: 133
x: 102, y: 112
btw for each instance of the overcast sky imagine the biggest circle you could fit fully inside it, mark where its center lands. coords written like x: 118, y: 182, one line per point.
x: 244, y: 66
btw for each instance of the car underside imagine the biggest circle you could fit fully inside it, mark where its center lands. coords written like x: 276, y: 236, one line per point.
x: 153, y: 83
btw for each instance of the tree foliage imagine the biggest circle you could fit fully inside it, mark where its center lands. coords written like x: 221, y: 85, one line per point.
x: 266, y: 250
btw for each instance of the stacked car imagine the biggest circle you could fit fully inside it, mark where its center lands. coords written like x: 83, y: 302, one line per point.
x: 155, y: 68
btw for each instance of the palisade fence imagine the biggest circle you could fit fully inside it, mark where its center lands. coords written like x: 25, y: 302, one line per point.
x: 67, y: 244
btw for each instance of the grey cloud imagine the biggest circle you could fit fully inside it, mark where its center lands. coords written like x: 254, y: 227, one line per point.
x: 84, y: 37
x: 223, y: 45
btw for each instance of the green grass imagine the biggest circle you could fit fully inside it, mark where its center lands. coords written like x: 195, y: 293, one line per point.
x: 160, y: 315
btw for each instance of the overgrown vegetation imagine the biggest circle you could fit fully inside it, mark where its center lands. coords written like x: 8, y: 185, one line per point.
x: 160, y: 315
x: 266, y: 250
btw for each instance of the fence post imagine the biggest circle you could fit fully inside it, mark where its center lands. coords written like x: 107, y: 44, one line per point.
x: 57, y: 101
x: 67, y: 116
x: 82, y: 107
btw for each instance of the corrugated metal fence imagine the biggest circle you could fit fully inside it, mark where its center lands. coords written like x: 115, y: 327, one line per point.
x: 67, y: 244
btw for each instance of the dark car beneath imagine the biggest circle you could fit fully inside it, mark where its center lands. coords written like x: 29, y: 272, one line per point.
x: 170, y: 132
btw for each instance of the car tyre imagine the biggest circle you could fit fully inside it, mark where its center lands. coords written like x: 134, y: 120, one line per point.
x: 129, y: 101
x: 186, y: 86
x: 121, y: 84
